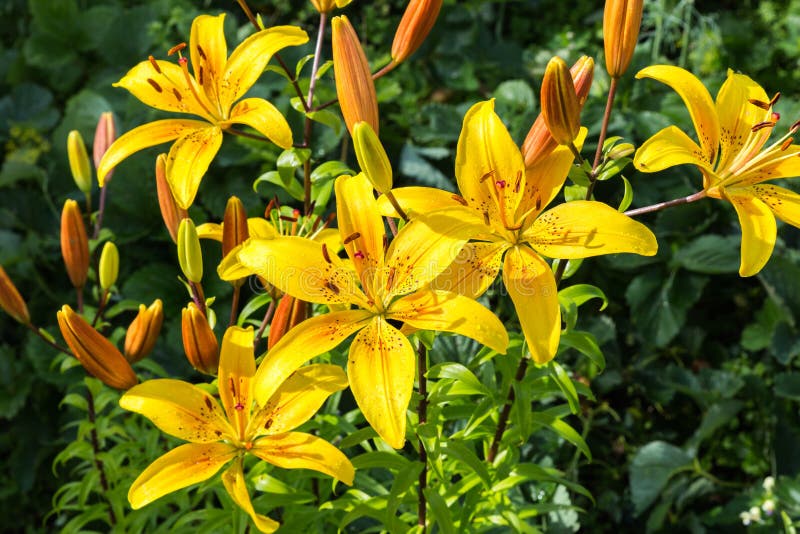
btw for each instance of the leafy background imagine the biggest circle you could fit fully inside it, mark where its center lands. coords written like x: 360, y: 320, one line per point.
x: 698, y: 401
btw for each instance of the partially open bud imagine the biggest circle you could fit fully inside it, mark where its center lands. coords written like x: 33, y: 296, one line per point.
x: 74, y: 243
x: 79, y: 164
x: 190, y: 255
x: 539, y: 142
x: 288, y: 313
x: 326, y: 6
x: 372, y: 157
x: 143, y: 332
x: 560, y: 103
x: 621, y: 22
x: 234, y: 226
x: 104, y: 135
x: 11, y: 301
x: 96, y: 353
x: 171, y: 213
x: 414, y: 27
x: 354, y: 84
x: 199, y: 341
x: 109, y: 265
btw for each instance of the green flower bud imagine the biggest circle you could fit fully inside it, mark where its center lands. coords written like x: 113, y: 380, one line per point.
x: 109, y: 265
x: 372, y: 157
x: 79, y: 161
x: 189, y: 254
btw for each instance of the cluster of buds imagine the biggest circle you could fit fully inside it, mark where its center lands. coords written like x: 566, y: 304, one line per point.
x: 79, y: 163
x: 621, y: 22
x: 559, y: 101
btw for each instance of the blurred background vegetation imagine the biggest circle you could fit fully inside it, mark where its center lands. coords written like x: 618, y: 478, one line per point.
x: 698, y: 403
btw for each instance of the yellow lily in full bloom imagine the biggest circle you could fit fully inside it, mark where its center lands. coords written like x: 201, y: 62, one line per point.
x: 217, y: 437
x: 495, y: 186
x: 385, y: 285
x: 211, y: 93
x: 731, y: 155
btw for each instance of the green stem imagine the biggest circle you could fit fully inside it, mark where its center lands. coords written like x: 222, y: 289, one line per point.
x: 308, y: 126
x: 422, y: 412
x: 96, y: 452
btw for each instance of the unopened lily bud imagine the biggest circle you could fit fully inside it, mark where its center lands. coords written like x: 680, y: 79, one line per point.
x: 97, y: 354
x: 74, y: 244
x: 621, y: 150
x: 621, y: 22
x: 326, y: 6
x: 11, y: 301
x: 416, y: 24
x: 372, y: 157
x: 79, y: 161
x: 560, y: 103
x: 539, y: 142
x: 234, y: 226
x: 143, y: 332
x: 199, y: 341
x: 171, y: 213
x: 190, y: 256
x: 109, y: 265
x: 288, y: 313
x: 354, y: 84
x: 104, y: 135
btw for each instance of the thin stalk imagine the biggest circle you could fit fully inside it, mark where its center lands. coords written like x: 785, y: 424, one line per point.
x: 308, y: 126
x: 422, y: 412
x: 237, y: 288
x: 101, y: 306
x: 44, y: 338
x: 377, y: 74
x: 668, y: 204
x: 101, y: 209
x: 264, y: 322
x: 96, y: 450
x: 79, y: 299
x: 506, y: 412
x: 248, y: 135
x: 396, y: 205
x: 198, y: 297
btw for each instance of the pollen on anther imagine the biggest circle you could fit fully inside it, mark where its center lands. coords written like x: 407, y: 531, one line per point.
x: 786, y: 144
x: 460, y: 200
x: 486, y: 176
x: 154, y: 85
x: 177, y: 48
x: 200, y: 51
x: 154, y: 63
x: 177, y: 94
x: 325, y: 253
x: 352, y: 237
x: 762, y: 125
x: 759, y: 103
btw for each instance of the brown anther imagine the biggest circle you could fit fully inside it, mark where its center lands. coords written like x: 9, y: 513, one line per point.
x: 486, y: 176
x: 311, y: 207
x: 200, y: 75
x: 269, y: 208
x: 518, y: 182
x: 538, y: 203
x: 287, y: 218
x: 154, y: 63
x: 763, y: 105
x: 351, y: 238
x: 325, y: 253
x: 775, y: 99
x: 177, y: 94
x: 385, y: 243
x: 330, y: 285
x: 200, y: 51
x: 795, y: 127
x: 390, y: 278
x: 329, y: 220
x: 460, y: 200
x: 177, y: 48
x: 762, y: 125
x: 316, y: 224
x: 209, y: 404
x: 154, y: 85
x: 786, y: 144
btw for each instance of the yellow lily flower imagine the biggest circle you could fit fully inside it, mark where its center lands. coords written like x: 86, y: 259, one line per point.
x: 731, y: 155
x: 510, y: 201
x: 384, y: 285
x: 218, y: 83
x: 218, y: 436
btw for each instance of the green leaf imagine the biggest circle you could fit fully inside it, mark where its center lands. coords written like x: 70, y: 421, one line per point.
x: 252, y: 306
x: 440, y: 511
x: 294, y: 188
x: 627, y: 197
x: 580, y: 294
x: 650, y: 470
x: 586, y: 344
x: 290, y: 160
x: 462, y: 454
x: 787, y: 385
x: 384, y: 459
x: 330, y: 170
x: 562, y: 379
x: 468, y: 383
x: 716, y: 416
x: 562, y: 429
x: 710, y: 254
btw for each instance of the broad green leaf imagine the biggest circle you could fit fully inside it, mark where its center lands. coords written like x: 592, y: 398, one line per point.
x: 439, y: 511
x: 710, y: 254
x: 562, y: 429
x: 580, y: 294
x: 562, y: 379
x: 462, y: 454
x: 384, y: 459
x: 586, y: 344
x: 651, y: 469
x: 627, y: 197
x: 787, y: 385
x: 468, y: 383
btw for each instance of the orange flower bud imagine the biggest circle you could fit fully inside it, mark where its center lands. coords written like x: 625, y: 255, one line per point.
x: 170, y: 212
x: 97, y: 354
x: 199, y: 341
x: 560, y: 103
x: 414, y: 27
x: 539, y: 143
x: 11, y: 301
x: 354, y: 84
x: 74, y: 243
x: 234, y: 226
x: 621, y: 22
x: 143, y: 332
x: 326, y: 6
x: 288, y: 313
x: 104, y: 135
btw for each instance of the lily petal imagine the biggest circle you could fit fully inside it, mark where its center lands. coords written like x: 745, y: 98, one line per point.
x: 737, y: 116
x: 181, y: 467
x: 310, y: 338
x: 669, y: 147
x: 473, y: 270
x: 784, y: 204
x: 237, y: 365
x: 248, y: 60
x: 759, y: 230
x: 776, y: 164
x: 298, y: 398
x: 381, y: 368
x: 188, y: 161
x: 144, y: 136
x: 427, y: 246
x: 209, y: 53
x: 532, y: 287
x: 451, y: 312
x: 582, y: 229
x: 179, y: 409
x: 415, y: 200
x: 263, y: 117
x: 698, y: 101
x: 298, y: 450
x: 233, y: 479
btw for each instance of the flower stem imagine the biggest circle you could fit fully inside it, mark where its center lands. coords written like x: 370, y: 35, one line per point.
x: 101, y: 209
x: 101, y: 307
x: 198, y: 297
x: 422, y: 413
x: 44, y: 338
x: 248, y: 135
x: 668, y: 204
x: 506, y: 412
x: 612, y: 91
x: 96, y: 450
x: 265, y: 322
x: 237, y: 288
x: 396, y: 205
x: 308, y: 126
